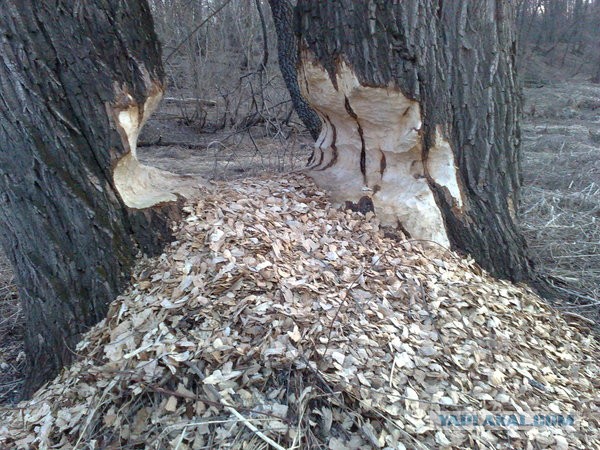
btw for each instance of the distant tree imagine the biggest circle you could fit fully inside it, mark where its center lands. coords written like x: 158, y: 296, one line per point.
x: 596, y: 77
x: 556, y: 29
x: 287, y: 52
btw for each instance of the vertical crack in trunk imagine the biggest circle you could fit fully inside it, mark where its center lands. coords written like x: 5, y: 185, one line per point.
x: 363, y: 149
x: 334, y: 150
x: 441, y: 171
x: 382, y: 163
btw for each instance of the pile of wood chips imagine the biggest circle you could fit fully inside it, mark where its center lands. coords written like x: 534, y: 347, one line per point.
x: 278, y: 321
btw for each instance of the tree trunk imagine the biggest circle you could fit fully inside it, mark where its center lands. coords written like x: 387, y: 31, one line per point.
x: 420, y: 107
x: 77, y: 81
x: 596, y: 77
x: 287, y: 53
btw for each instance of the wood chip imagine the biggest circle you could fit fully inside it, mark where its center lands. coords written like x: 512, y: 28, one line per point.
x: 274, y: 313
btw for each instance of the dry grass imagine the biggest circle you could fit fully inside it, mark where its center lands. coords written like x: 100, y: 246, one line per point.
x: 12, y: 358
x: 561, y: 195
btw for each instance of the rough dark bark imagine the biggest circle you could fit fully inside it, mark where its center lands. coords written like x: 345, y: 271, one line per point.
x: 454, y: 61
x: 66, y: 71
x: 596, y: 76
x: 263, y: 27
x: 287, y: 52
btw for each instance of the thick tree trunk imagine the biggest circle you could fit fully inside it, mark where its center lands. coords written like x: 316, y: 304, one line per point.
x: 287, y: 53
x: 77, y: 81
x: 420, y: 108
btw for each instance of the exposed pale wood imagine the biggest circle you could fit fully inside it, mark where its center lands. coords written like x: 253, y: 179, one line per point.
x: 456, y: 61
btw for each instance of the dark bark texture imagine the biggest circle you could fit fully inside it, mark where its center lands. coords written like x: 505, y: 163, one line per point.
x: 457, y: 59
x: 596, y: 77
x: 64, y: 68
x: 287, y: 52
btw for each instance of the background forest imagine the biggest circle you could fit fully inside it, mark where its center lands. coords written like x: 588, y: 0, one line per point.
x: 227, y: 114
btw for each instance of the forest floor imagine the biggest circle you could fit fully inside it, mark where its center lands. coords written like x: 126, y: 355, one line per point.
x: 173, y: 142
x: 260, y: 330
x: 560, y: 204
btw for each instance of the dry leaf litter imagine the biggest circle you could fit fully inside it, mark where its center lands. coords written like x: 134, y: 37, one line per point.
x: 278, y: 321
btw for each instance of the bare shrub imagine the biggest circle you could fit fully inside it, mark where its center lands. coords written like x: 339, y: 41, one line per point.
x: 228, y: 65
x: 12, y: 358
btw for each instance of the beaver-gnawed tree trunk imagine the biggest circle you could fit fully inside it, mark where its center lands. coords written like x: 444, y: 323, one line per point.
x: 77, y: 80
x: 420, y: 107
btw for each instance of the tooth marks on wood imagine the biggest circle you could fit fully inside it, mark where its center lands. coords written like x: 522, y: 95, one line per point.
x: 321, y: 155
x: 334, y: 150
x: 317, y: 149
x: 349, y: 109
x: 321, y: 139
x: 311, y: 158
x: 385, y: 130
x: 332, y: 126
